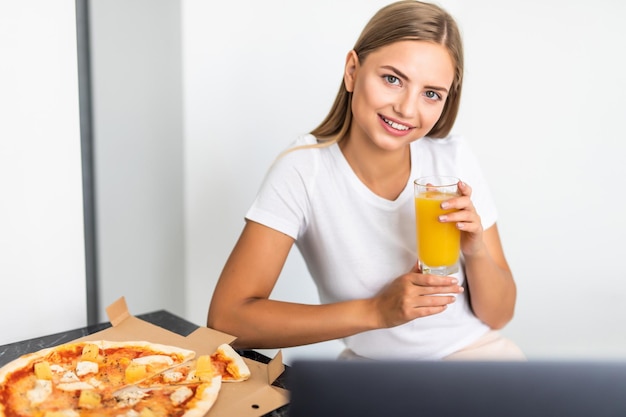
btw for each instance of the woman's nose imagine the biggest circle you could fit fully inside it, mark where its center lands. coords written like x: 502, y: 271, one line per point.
x: 407, y: 105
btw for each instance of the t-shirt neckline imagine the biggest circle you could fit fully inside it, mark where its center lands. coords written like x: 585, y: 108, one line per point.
x: 363, y: 190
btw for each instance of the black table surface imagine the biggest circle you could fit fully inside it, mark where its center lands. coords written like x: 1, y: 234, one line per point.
x: 161, y: 318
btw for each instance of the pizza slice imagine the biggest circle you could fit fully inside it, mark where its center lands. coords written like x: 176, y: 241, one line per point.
x: 229, y: 364
x: 224, y: 362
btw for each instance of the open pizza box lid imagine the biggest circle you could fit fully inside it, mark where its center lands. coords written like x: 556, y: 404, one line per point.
x: 252, y: 398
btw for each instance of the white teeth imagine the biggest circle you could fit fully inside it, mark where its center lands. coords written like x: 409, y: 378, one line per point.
x: 395, y: 125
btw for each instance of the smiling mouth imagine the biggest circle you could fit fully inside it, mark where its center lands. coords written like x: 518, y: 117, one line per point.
x: 395, y: 125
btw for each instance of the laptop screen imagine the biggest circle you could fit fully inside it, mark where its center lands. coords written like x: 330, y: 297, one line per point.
x: 507, y: 389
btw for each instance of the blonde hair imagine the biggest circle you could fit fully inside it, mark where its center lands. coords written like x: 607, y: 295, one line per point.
x: 402, y: 20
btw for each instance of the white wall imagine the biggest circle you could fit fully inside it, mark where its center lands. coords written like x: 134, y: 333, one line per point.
x: 42, y: 266
x: 545, y: 108
x: 138, y: 153
x: 542, y: 106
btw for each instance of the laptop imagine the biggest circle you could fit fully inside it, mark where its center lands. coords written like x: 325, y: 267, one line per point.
x: 322, y: 388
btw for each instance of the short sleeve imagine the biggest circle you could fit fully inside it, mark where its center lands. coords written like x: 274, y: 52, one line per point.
x: 282, y: 202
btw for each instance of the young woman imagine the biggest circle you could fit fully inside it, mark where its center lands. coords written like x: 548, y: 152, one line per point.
x: 344, y: 195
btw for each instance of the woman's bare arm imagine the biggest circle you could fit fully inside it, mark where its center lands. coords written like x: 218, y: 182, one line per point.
x: 492, y: 288
x: 241, y: 306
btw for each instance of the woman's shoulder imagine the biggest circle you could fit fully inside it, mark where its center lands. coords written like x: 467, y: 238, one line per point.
x: 301, y: 143
x: 301, y: 157
x: 306, y: 139
x: 304, y: 151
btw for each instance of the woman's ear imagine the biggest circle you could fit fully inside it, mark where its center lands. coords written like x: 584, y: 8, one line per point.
x: 349, y: 74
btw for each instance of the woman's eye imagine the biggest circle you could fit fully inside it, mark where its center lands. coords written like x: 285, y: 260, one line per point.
x: 391, y: 79
x: 433, y: 95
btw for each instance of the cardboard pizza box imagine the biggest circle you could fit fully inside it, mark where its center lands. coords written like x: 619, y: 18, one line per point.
x: 252, y: 398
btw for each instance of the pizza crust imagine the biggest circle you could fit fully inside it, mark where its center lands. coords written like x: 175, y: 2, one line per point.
x: 237, y: 366
x: 20, y: 363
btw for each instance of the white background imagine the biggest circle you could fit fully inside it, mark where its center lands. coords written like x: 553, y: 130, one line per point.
x: 42, y: 267
x: 195, y: 98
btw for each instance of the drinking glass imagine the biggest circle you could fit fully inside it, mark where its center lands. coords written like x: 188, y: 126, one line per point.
x: 438, y: 244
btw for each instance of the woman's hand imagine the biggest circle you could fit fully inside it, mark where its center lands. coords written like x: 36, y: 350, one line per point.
x: 414, y: 295
x: 467, y: 220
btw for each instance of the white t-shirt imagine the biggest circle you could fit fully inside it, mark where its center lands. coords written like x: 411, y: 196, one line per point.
x: 354, y: 242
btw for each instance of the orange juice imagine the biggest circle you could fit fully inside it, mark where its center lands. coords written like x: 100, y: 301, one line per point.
x: 438, y: 244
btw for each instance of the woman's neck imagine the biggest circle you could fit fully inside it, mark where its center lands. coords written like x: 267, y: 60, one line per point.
x: 385, y: 173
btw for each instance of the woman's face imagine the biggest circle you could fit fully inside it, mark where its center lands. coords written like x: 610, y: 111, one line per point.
x: 399, y: 92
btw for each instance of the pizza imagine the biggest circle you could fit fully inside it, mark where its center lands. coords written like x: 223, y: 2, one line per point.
x: 119, y: 379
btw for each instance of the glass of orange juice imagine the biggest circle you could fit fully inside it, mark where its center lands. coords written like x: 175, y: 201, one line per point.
x: 438, y: 244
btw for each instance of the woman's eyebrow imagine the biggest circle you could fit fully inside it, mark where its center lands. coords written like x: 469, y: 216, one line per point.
x: 396, y: 70
x: 434, y: 87
x: 402, y: 75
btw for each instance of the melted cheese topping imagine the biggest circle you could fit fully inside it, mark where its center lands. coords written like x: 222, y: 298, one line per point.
x: 130, y: 397
x: 172, y: 376
x: 41, y: 391
x: 181, y: 395
x: 69, y: 376
x: 57, y: 368
x: 86, y: 367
